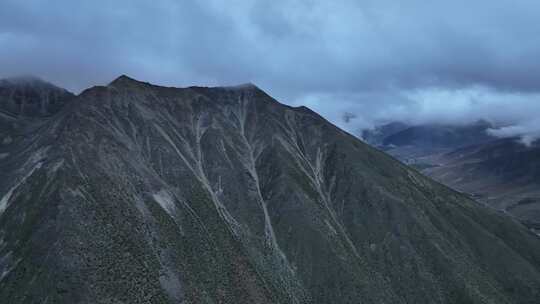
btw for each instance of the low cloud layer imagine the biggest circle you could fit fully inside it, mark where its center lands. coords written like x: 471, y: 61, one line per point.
x: 449, y: 61
x: 528, y: 131
x: 513, y: 113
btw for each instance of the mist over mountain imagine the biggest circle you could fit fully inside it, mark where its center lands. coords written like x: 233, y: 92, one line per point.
x: 137, y: 193
x: 30, y: 96
x: 510, y: 115
x: 409, y: 142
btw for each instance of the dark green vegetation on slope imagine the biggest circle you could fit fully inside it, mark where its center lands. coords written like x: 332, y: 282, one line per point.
x: 135, y: 193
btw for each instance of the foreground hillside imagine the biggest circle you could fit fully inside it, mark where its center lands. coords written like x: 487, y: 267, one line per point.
x: 135, y: 193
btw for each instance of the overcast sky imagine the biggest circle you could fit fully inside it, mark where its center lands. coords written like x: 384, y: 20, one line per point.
x: 380, y: 60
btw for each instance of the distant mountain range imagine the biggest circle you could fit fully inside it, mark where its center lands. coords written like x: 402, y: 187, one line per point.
x: 137, y: 193
x: 502, y: 173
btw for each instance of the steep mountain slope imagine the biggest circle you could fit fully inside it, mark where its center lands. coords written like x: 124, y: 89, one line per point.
x: 24, y: 102
x: 30, y: 97
x: 501, y: 173
x: 504, y: 174
x: 136, y: 193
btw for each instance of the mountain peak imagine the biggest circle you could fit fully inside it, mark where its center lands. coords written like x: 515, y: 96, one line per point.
x: 124, y: 80
x: 24, y: 80
x: 31, y: 96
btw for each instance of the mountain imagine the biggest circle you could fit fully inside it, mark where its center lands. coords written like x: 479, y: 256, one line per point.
x: 412, y: 142
x: 24, y: 103
x: 503, y: 173
x: 30, y: 97
x: 440, y: 136
x: 378, y: 134
x: 136, y: 193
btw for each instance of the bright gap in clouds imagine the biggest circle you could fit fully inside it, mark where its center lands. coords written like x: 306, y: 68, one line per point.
x: 513, y: 114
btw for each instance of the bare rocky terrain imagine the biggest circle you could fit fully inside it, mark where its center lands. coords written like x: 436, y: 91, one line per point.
x: 136, y: 193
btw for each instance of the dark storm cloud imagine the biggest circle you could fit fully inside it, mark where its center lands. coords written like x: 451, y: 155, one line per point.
x: 378, y: 60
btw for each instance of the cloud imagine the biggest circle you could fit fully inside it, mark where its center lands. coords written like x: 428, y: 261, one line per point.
x: 528, y: 132
x: 377, y: 60
x: 514, y: 114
